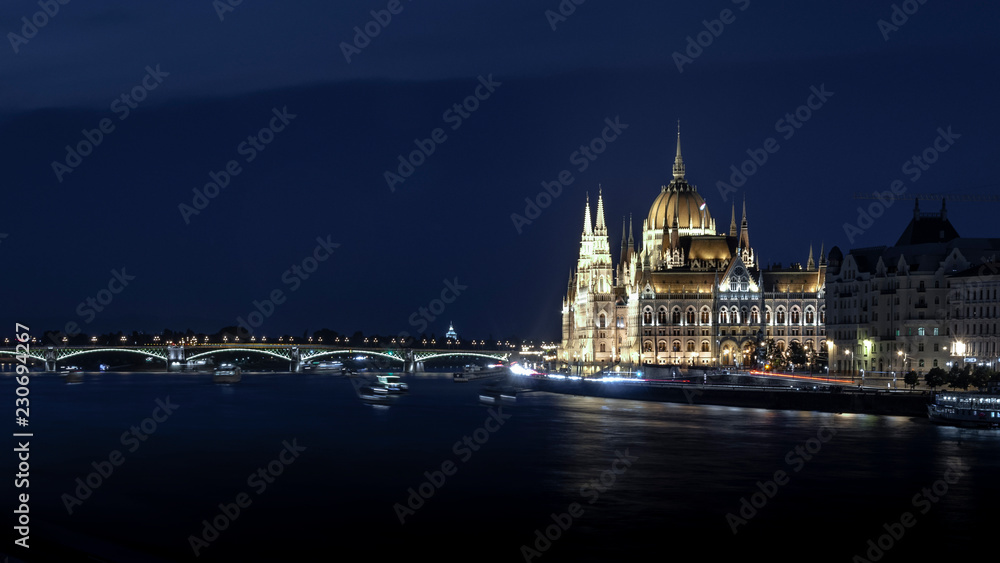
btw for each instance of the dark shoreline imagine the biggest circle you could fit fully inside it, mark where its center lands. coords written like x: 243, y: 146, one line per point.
x: 847, y: 401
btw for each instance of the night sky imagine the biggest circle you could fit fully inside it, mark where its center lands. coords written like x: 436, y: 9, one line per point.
x: 212, y: 82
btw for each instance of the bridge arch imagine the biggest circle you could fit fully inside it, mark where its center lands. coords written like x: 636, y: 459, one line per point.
x: 353, y: 352
x: 257, y: 351
x: 432, y: 356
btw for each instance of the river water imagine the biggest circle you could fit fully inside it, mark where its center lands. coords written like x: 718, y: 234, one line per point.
x: 322, y: 475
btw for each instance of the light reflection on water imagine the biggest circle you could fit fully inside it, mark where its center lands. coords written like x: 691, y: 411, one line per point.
x: 694, y: 465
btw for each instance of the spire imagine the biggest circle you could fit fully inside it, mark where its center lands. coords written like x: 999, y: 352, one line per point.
x: 587, y: 229
x: 810, y: 264
x: 732, y: 223
x: 631, y: 242
x: 744, y: 228
x: 601, y: 227
x: 678, y: 161
x: 822, y: 256
x: 624, y: 252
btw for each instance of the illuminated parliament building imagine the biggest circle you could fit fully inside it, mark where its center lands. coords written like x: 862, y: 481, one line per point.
x: 685, y: 294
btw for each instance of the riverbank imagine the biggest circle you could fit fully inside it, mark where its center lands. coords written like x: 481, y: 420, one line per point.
x: 835, y: 400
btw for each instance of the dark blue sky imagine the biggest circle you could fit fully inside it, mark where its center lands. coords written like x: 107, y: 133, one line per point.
x: 322, y: 175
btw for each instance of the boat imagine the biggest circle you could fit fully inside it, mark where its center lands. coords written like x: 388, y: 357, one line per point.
x: 325, y: 366
x: 72, y: 374
x: 977, y: 410
x: 227, y: 373
x: 495, y: 394
x: 474, y: 372
x: 369, y: 394
x: 389, y: 385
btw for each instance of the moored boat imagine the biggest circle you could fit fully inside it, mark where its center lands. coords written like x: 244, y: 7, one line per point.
x: 979, y: 410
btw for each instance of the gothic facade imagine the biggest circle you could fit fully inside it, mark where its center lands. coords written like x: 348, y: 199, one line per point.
x: 686, y: 294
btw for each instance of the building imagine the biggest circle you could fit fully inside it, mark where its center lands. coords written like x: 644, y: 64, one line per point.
x: 451, y: 332
x: 688, y: 295
x: 919, y: 304
x: 973, y: 313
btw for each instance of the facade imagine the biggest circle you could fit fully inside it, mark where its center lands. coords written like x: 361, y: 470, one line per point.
x: 688, y: 295
x: 920, y: 304
x: 974, y: 313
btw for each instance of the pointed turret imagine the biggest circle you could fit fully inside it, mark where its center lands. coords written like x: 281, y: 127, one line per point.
x: 810, y: 264
x: 822, y: 257
x: 624, y: 252
x: 678, y: 161
x: 732, y: 223
x: 601, y: 227
x: 744, y: 228
x: 631, y: 241
x: 587, y: 229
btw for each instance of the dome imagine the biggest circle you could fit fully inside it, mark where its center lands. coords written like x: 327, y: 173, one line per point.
x: 684, y: 200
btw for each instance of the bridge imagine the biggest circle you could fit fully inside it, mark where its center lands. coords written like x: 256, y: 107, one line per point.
x: 177, y: 356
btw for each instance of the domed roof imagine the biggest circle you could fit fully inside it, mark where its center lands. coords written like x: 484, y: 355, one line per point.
x: 680, y: 199
x: 684, y: 201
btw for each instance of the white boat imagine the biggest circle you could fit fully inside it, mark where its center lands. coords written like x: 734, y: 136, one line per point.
x: 227, y: 373
x: 498, y: 394
x: 72, y: 374
x: 389, y: 385
x: 474, y: 372
x: 325, y: 366
x: 980, y: 410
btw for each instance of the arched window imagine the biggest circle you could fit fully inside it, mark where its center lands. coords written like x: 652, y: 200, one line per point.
x: 677, y: 345
x: 781, y: 316
x: 723, y: 317
x: 676, y: 317
x: 602, y: 347
x: 704, y: 316
x: 795, y: 316
x: 661, y: 316
x: 690, y: 317
x: 754, y: 316
x: 662, y: 346
x: 704, y: 345
x: 647, y: 317
x: 690, y: 346
x: 602, y: 322
x: 735, y: 315
x: 767, y: 316
x: 647, y: 346
x: 809, y: 317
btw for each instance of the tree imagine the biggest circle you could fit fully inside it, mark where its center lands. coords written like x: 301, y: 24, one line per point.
x: 935, y: 378
x: 911, y: 379
x: 775, y: 355
x: 980, y: 377
x: 959, y: 378
x: 796, y: 353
